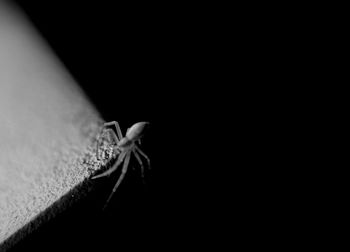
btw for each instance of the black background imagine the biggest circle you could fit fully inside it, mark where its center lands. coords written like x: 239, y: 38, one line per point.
x: 132, y: 61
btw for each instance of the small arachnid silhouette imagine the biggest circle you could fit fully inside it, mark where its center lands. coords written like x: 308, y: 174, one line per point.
x: 124, y: 147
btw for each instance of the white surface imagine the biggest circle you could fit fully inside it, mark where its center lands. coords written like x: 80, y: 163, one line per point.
x: 46, y: 125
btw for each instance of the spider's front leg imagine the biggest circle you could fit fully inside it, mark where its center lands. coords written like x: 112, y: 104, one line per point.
x: 116, y: 134
x: 117, y: 127
x: 104, y: 131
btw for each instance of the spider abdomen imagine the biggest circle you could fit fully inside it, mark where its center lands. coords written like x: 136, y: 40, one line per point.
x: 136, y: 131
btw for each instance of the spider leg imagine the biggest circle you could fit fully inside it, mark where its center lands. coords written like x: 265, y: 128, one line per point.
x: 97, y: 147
x: 144, y: 155
x: 124, y: 170
x: 139, y: 160
x: 116, y: 125
x: 114, y: 167
x: 114, y: 136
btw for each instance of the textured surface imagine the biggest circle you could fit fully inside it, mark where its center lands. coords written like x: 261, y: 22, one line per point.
x: 47, y: 127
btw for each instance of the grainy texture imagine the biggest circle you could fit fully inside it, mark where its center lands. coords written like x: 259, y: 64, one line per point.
x: 48, y: 130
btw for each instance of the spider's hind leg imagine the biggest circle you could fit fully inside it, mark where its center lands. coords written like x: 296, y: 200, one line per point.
x: 111, y: 170
x: 121, y: 177
x: 140, y: 162
x: 144, y: 155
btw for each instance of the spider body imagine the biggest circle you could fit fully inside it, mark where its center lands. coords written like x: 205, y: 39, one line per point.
x: 124, y: 147
x: 135, y: 132
x: 132, y: 135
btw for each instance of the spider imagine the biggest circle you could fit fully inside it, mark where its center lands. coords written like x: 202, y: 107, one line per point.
x: 125, y: 146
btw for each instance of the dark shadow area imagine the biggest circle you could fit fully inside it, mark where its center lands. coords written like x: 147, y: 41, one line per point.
x: 124, y: 56
x: 127, y: 59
